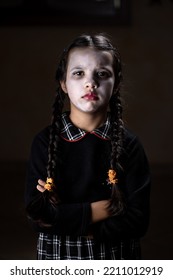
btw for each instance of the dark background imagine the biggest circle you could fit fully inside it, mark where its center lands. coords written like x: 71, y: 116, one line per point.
x: 30, y: 43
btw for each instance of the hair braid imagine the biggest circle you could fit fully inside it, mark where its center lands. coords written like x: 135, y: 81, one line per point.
x: 117, y: 128
x: 54, y: 149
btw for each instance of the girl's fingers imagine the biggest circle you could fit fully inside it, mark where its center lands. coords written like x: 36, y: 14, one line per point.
x: 41, y: 182
x: 40, y: 188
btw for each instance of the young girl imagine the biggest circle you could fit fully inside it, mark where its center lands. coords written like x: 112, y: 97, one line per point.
x: 88, y: 179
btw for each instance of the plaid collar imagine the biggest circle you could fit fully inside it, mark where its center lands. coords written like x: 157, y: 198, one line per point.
x: 71, y: 133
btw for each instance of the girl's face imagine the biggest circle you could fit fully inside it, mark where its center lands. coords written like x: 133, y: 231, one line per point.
x: 89, y: 79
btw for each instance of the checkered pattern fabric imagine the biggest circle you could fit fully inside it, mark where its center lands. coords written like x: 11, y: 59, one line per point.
x: 72, y: 133
x: 53, y: 247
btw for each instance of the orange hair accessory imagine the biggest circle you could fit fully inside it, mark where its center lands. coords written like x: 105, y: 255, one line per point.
x: 112, y: 177
x: 49, y: 184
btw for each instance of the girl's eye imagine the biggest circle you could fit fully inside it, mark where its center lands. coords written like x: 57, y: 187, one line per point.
x: 78, y: 73
x: 103, y: 74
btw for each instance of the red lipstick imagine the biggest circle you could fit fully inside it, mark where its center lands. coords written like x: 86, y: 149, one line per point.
x: 90, y: 96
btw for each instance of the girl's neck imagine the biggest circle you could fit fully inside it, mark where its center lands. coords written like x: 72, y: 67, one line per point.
x: 88, y: 121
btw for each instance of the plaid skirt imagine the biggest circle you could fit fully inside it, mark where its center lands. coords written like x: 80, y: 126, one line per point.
x: 53, y: 247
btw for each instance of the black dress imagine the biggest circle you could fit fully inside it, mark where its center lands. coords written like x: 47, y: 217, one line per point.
x: 82, y: 179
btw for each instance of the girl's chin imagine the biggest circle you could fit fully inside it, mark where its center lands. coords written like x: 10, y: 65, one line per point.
x: 88, y: 107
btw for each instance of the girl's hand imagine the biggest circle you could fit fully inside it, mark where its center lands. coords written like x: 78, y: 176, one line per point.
x: 40, y: 186
x: 99, y: 210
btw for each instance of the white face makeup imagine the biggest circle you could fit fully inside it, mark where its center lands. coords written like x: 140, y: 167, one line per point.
x: 89, y: 80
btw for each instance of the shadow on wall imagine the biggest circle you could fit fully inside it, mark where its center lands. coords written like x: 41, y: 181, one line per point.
x: 18, y: 241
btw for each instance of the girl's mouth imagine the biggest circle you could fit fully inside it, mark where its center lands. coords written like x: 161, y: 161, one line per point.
x: 90, y: 96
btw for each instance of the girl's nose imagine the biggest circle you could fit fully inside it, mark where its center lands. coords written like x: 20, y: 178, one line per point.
x: 91, y: 84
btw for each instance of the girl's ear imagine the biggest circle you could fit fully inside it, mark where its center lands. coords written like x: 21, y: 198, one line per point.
x: 63, y: 86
